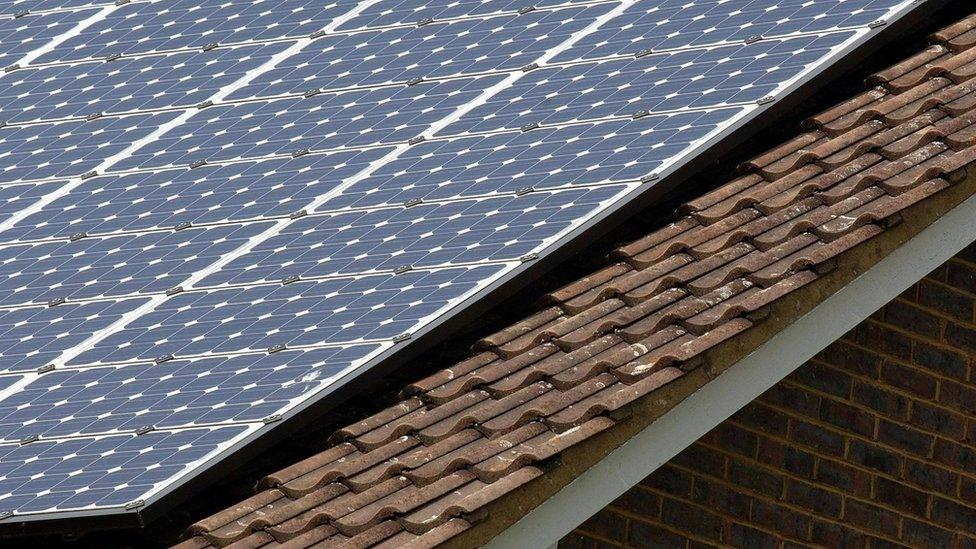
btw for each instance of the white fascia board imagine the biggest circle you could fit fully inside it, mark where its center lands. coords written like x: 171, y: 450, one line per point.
x: 677, y: 429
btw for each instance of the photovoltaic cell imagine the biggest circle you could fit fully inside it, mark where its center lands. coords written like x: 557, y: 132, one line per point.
x: 331, y: 311
x: 665, y: 25
x: 213, y: 213
x: 70, y: 148
x: 126, y: 84
x: 161, y: 25
x: 350, y: 119
x: 432, y: 51
x: 21, y: 35
x: 113, y: 266
x: 398, y: 12
x: 208, y: 194
x: 178, y: 392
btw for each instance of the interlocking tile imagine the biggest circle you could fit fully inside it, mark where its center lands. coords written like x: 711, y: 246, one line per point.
x: 421, y: 471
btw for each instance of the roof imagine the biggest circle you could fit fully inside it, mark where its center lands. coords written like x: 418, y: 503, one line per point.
x: 418, y: 473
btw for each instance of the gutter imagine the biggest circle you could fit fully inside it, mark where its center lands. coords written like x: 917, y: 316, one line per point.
x: 740, y: 384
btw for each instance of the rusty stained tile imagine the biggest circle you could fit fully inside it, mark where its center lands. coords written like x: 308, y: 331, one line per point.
x: 400, y: 502
x: 539, y: 448
x: 318, y: 461
x: 721, y: 195
x: 448, y: 374
x: 491, y: 373
x: 432, y: 538
x: 555, y: 364
x: 912, y: 71
x: 472, y: 453
x: 466, y: 500
x: 588, y: 283
x: 848, y: 114
x: 418, y: 420
x: 336, y: 508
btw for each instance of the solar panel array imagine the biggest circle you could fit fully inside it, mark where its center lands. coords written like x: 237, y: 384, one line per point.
x: 211, y: 210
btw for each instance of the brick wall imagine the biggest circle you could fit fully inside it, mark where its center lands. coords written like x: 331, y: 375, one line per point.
x: 870, y: 444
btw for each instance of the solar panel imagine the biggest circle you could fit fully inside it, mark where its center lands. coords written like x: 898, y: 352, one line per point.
x: 213, y: 213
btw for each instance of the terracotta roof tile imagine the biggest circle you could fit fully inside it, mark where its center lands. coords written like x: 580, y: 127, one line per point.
x: 422, y: 470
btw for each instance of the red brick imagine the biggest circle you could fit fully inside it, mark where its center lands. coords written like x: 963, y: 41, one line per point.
x: 920, y: 534
x: 851, y: 358
x: 844, y: 477
x: 874, y: 457
x: 714, y: 495
x: 762, y: 418
x: 643, y: 534
x: 689, y: 518
x: 780, y: 519
x: 607, y: 525
x: 967, y: 490
x: 847, y: 417
x: 702, y: 459
x: 946, y: 300
x: 786, y: 457
x: 885, y: 339
x: 817, y: 500
x: 930, y: 476
x: 871, y: 517
x: 888, y: 403
x: 640, y: 501
x: 755, y: 478
x: 961, y: 276
x: 908, y: 379
x: 792, y: 398
x: 955, y: 455
x: 817, y: 438
x: 953, y: 514
x: 960, y: 336
x: 732, y: 438
x: 740, y: 535
x: 913, y: 319
x: 823, y: 378
x: 669, y: 480
x: 906, y: 438
x: 939, y: 420
x: 901, y: 496
x: 832, y: 534
x: 940, y: 360
x: 958, y: 396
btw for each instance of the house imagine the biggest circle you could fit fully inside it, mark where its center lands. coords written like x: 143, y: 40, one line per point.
x: 786, y: 361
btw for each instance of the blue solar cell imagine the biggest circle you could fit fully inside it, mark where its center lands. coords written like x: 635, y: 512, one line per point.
x: 171, y: 394
x: 398, y: 12
x: 69, y: 148
x: 325, y: 121
x: 114, y: 266
x: 159, y: 25
x: 436, y: 50
x: 339, y: 310
x: 104, y: 471
x: 8, y: 7
x: 687, y: 79
x: 22, y: 35
x: 152, y: 82
x: 14, y: 198
x: 501, y: 228
x: 573, y: 155
x: 35, y: 336
x: 208, y: 194
x: 661, y: 24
